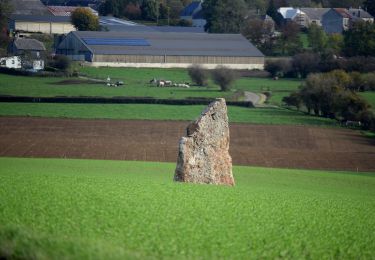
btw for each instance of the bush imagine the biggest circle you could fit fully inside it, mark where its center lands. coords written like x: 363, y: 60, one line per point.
x: 368, y: 81
x: 60, y: 62
x: 279, y: 67
x: 224, y: 77
x: 198, y: 75
x: 305, y: 63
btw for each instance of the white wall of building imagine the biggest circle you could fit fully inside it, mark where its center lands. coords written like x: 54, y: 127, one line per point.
x: 11, y: 62
x: 173, y: 65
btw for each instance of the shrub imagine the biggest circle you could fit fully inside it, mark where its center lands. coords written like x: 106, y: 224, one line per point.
x: 305, y: 63
x: 279, y: 67
x: 60, y: 62
x: 224, y: 77
x: 198, y: 75
x: 368, y: 81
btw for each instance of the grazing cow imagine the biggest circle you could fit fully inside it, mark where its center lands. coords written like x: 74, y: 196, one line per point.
x: 161, y: 83
x: 168, y: 82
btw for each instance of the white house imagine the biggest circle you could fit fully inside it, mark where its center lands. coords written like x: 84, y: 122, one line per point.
x: 13, y: 62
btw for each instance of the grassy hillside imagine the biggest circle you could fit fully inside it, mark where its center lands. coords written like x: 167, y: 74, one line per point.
x: 160, y: 112
x: 111, y: 209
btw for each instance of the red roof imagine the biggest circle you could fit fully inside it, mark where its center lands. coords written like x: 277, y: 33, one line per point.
x: 343, y: 12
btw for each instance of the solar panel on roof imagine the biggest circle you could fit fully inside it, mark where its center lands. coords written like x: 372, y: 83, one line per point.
x: 116, y: 41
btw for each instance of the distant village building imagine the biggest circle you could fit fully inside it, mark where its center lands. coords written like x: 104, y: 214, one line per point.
x: 58, y: 10
x: 337, y: 20
x: 30, y: 51
x: 193, y: 12
x: 303, y: 16
x: 161, y: 50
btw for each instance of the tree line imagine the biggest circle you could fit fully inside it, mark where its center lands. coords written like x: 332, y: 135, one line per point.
x: 335, y: 95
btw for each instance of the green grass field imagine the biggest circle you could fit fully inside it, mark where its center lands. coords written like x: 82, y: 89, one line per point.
x: 137, y: 85
x: 85, y: 209
x: 160, y: 112
x: 370, y: 97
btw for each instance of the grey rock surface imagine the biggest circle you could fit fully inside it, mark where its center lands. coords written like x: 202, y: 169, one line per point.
x: 203, y: 155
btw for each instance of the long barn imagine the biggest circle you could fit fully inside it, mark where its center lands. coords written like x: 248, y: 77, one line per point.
x: 162, y: 50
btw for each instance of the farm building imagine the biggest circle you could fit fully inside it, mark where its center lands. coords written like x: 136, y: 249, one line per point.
x: 157, y: 49
x: 41, y: 23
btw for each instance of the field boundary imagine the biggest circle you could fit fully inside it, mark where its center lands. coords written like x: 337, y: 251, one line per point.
x: 119, y: 100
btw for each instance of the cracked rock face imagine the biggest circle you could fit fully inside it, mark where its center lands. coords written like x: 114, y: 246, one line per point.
x: 203, y: 155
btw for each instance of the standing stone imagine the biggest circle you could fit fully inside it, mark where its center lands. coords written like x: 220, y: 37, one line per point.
x: 203, y: 155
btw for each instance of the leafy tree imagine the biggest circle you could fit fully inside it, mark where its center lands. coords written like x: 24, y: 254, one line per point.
x: 369, y: 5
x: 6, y: 9
x: 279, y: 67
x: 150, y: 10
x: 111, y: 7
x: 335, y: 43
x: 317, y: 38
x: 289, y: 42
x: 175, y: 7
x: 305, y: 63
x: 133, y: 11
x: 224, y: 77
x: 198, y: 75
x: 84, y: 20
x: 360, y: 39
x: 224, y: 16
x: 272, y: 12
x: 257, y: 31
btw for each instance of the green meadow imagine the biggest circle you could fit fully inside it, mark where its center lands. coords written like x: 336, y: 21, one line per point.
x: 136, y: 85
x: 161, y: 112
x: 87, y: 209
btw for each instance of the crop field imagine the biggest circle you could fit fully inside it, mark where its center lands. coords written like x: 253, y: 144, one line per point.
x: 114, y: 210
x: 280, y: 146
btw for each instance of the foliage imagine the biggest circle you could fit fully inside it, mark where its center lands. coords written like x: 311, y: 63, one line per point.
x: 359, y: 40
x: 272, y: 12
x: 335, y: 43
x: 224, y: 77
x: 328, y: 95
x: 258, y: 32
x: 305, y: 63
x: 87, y: 209
x: 289, y: 42
x: 6, y: 9
x: 225, y: 16
x: 369, y: 5
x: 133, y: 11
x: 60, y: 62
x: 84, y: 20
x: 279, y: 67
x: 150, y: 10
x: 318, y: 39
x: 198, y: 75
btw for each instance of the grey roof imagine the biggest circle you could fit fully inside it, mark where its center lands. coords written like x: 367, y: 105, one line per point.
x: 29, y: 44
x: 315, y: 13
x: 29, y: 7
x: 181, y: 44
x: 41, y: 18
x: 360, y: 13
x: 182, y: 29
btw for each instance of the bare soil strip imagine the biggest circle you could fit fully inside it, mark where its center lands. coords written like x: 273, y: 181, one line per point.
x: 253, y: 145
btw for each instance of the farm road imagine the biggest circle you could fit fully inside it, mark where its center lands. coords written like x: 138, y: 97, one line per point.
x: 254, y: 145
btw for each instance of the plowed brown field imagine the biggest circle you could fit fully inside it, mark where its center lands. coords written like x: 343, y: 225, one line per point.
x: 254, y: 145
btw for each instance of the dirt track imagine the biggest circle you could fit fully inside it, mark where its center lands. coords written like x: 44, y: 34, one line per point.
x: 255, y: 145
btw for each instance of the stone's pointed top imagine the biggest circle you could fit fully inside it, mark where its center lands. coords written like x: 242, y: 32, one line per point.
x: 204, y: 154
